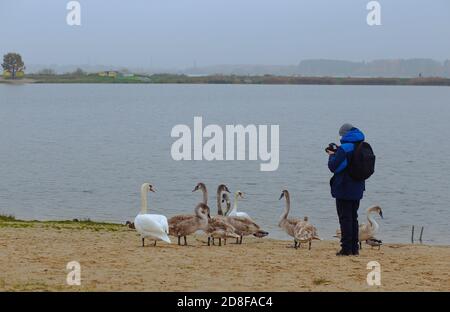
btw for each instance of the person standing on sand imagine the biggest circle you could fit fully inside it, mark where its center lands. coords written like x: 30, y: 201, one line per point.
x: 347, y: 191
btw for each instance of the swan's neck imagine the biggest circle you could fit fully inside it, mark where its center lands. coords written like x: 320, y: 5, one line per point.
x: 234, y: 210
x: 373, y: 223
x: 287, y: 208
x: 144, y: 192
x: 205, y: 196
x: 219, y: 203
x: 227, y: 211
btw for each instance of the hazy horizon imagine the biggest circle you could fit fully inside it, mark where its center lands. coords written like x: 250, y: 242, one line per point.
x: 190, y: 66
x: 181, y: 34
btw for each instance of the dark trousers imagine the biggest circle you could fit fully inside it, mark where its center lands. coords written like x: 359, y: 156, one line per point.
x: 347, y: 211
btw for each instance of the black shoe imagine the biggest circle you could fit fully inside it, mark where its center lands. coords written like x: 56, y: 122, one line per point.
x: 343, y: 252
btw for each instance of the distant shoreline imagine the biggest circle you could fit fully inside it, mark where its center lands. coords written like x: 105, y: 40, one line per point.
x: 232, y: 79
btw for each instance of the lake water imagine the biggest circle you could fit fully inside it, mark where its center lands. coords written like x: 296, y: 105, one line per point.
x: 82, y: 151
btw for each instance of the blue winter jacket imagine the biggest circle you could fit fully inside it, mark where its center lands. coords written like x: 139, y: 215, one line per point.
x: 342, y: 185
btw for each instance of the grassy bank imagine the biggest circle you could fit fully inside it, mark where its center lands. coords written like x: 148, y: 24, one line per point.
x: 234, y: 79
x: 9, y: 221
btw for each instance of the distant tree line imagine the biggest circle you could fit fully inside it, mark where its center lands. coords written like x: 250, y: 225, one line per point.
x: 407, y: 68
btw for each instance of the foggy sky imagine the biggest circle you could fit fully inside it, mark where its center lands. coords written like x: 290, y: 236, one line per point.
x: 177, y: 33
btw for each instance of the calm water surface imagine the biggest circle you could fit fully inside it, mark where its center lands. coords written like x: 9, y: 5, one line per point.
x: 82, y: 151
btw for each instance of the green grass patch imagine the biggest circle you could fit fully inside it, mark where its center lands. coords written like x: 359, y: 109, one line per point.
x: 7, y: 221
x: 7, y: 218
x: 38, y: 286
x: 320, y: 281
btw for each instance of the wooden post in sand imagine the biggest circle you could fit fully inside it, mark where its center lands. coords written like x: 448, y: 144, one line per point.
x: 421, y: 233
x: 412, y: 235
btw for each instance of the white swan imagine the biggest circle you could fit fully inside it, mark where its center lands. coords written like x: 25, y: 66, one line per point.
x: 153, y: 226
x: 234, y: 212
x: 370, y: 229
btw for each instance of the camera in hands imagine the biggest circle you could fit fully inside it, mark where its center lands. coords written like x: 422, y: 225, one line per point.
x: 332, y: 147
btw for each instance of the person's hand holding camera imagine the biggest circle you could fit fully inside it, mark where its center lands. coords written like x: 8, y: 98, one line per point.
x: 331, y: 148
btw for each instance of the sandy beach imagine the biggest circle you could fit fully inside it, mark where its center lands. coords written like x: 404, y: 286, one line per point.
x: 34, y: 255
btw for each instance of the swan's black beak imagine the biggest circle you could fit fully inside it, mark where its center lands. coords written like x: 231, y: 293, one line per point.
x: 381, y: 214
x: 209, y: 216
x: 194, y: 189
x: 227, y: 190
x: 281, y: 196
